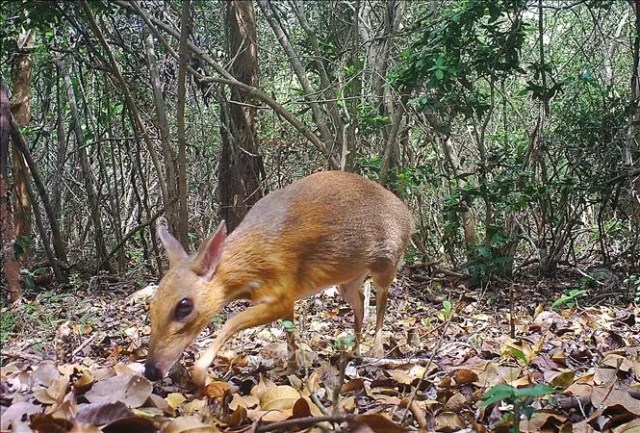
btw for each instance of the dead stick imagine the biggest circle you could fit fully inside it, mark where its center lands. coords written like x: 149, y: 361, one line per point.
x: 84, y: 344
x: 20, y: 355
x: 302, y: 422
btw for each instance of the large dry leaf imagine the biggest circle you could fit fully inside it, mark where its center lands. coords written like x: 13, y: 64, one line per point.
x: 449, y: 422
x: 612, y: 394
x: 18, y: 412
x: 282, y: 397
x: 130, y: 389
x: 630, y: 427
x: 45, y: 374
x: 102, y: 413
x: 542, y: 420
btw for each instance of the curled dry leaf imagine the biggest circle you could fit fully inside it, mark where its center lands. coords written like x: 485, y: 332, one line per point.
x: 237, y: 417
x: 399, y: 376
x: 621, y: 363
x: 45, y: 374
x: 542, y: 420
x: 563, y: 379
x: 456, y: 402
x: 84, y: 381
x: 217, y: 390
x: 301, y: 409
x: 248, y: 401
x: 157, y: 402
x: 608, y: 340
x: 379, y: 424
x: 464, y: 376
x: 353, y: 386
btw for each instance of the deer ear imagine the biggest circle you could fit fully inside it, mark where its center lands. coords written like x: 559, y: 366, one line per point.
x: 208, y: 257
x: 175, y: 252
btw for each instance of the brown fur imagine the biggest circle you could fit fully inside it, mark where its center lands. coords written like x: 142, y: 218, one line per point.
x: 330, y: 228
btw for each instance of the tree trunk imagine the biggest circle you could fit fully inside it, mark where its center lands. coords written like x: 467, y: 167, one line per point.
x: 227, y: 79
x: 267, y: 9
x: 21, y: 110
x: 633, y: 145
x: 377, y: 37
x: 85, y: 166
x: 241, y: 172
x: 184, y: 60
x: 10, y: 266
x: 20, y: 145
x: 165, y: 139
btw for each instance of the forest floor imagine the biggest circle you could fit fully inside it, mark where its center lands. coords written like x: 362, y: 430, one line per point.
x: 72, y: 361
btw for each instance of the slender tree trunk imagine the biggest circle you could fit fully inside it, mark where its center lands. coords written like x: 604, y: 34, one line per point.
x: 184, y: 59
x: 379, y: 47
x: 633, y: 145
x: 61, y: 153
x: 227, y: 79
x: 21, y: 110
x: 326, y: 135
x: 241, y: 172
x: 85, y: 166
x: 168, y: 154
x: 114, y: 68
x: 10, y: 266
x: 20, y: 145
x: 342, y: 142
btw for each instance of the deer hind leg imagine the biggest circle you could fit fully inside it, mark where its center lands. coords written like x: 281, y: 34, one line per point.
x: 351, y: 291
x: 382, y: 279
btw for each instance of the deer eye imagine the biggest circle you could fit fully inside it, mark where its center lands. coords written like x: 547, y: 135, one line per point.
x: 183, y: 309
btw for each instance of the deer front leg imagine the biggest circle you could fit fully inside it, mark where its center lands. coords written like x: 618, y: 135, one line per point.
x: 256, y: 315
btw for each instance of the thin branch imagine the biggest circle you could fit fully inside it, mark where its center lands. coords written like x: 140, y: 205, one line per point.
x: 136, y: 229
x: 115, y: 70
x: 228, y: 79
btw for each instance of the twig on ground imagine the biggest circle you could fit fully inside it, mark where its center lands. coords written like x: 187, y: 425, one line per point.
x: 418, y: 415
x: 20, y: 355
x: 393, y: 362
x: 344, y: 360
x: 414, y: 393
x: 301, y: 422
x: 85, y: 343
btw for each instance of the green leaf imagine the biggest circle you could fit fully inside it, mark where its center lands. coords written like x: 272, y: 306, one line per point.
x: 346, y: 342
x: 288, y: 325
x: 500, y: 392
x: 538, y: 390
x: 518, y: 354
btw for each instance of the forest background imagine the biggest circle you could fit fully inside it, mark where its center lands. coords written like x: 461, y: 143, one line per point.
x: 510, y: 128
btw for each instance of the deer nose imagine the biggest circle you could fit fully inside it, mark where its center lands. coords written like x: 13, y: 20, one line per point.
x: 152, y: 372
